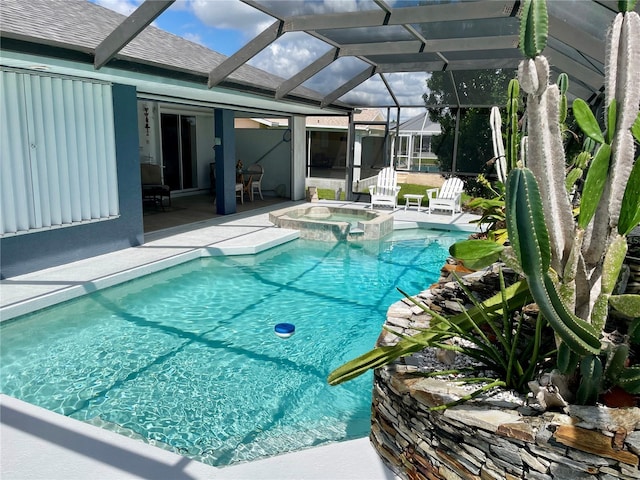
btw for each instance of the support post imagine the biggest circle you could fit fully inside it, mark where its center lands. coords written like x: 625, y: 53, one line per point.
x: 225, y: 151
x: 298, y: 157
x: 351, y: 140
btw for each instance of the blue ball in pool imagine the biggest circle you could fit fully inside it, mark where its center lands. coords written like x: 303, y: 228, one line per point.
x: 284, y: 330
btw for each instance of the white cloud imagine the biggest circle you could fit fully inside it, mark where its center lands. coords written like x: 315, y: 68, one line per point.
x: 409, y: 113
x: 289, y: 54
x: 195, y: 38
x: 294, y: 51
x: 409, y: 86
x: 231, y: 15
x: 125, y: 7
x: 180, y: 5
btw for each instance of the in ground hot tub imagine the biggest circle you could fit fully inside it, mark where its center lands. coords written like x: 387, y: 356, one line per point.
x: 331, y: 224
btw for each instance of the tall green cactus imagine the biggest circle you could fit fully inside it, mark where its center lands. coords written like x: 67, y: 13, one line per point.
x: 512, y: 124
x: 530, y: 239
x: 587, y: 255
x: 571, y: 265
x: 506, y: 159
x: 533, y: 28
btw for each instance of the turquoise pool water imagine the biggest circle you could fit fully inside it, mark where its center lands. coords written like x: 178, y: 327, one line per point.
x: 187, y: 359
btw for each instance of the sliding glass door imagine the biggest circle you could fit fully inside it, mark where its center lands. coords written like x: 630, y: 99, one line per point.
x: 179, y: 150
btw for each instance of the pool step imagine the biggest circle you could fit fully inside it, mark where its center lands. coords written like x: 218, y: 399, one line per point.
x: 356, y: 231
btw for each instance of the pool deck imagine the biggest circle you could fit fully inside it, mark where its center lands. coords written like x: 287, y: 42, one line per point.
x: 36, y: 443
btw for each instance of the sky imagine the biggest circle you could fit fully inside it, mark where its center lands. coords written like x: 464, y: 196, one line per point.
x: 225, y: 26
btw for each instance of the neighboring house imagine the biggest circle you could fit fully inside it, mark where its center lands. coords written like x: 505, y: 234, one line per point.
x: 74, y: 136
x: 414, y: 151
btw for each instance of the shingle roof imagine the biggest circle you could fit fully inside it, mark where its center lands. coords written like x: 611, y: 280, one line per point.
x: 415, y: 124
x: 80, y: 25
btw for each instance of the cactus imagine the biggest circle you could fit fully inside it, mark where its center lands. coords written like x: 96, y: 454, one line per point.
x: 563, y: 86
x: 498, y: 146
x: 571, y: 265
x: 530, y: 239
x: 506, y: 160
x: 534, y: 28
x: 591, y: 374
x: 586, y: 255
x: 477, y: 254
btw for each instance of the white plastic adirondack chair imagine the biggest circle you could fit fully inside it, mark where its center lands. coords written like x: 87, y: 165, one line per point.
x: 447, y: 197
x: 385, y: 192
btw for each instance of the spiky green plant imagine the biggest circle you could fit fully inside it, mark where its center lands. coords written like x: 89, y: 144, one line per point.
x: 510, y: 299
x: 494, y: 339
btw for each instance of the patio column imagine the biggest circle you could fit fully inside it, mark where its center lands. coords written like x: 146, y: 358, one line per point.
x: 225, y: 157
x: 348, y: 176
x: 298, y: 157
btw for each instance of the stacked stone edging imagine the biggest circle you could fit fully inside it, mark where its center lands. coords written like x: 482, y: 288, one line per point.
x: 484, y: 439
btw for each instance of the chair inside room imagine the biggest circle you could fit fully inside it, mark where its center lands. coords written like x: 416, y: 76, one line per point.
x: 447, y: 197
x: 385, y: 192
x: 153, y: 190
x: 257, y: 172
x: 240, y: 189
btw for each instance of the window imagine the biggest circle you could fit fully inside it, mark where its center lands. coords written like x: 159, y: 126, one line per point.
x: 57, y: 152
x: 422, y: 144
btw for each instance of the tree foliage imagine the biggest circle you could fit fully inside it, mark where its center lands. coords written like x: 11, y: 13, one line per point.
x: 472, y: 88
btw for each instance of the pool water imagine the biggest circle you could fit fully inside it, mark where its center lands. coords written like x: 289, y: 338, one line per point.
x: 187, y: 358
x: 337, y: 217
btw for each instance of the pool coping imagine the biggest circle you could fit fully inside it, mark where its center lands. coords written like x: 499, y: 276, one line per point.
x: 39, y: 444
x: 85, y: 451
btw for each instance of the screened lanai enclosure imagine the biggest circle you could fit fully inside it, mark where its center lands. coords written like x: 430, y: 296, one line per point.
x: 415, y: 137
x: 454, y: 57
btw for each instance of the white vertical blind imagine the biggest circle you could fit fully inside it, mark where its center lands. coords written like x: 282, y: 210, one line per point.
x: 57, y: 152
x: 17, y: 194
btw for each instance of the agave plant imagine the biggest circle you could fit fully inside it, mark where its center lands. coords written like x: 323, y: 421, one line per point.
x: 570, y: 264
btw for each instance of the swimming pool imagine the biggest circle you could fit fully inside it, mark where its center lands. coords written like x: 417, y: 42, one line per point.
x: 186, y: 358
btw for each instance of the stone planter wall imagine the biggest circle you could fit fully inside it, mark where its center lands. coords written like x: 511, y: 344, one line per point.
x: 490, y: 439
